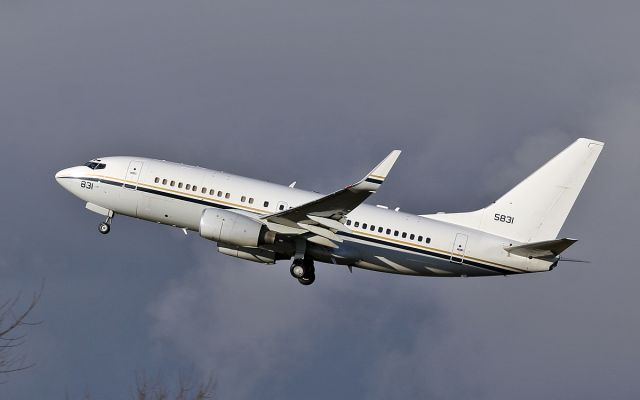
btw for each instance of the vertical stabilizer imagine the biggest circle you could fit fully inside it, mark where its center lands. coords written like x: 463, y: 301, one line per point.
x: 536, y: 209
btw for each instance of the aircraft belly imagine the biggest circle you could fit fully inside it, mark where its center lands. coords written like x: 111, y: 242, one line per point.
x: 387, y: 259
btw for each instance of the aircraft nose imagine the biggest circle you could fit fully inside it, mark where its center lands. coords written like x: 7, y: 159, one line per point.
x: 62, y: 174
x: 65, y: 173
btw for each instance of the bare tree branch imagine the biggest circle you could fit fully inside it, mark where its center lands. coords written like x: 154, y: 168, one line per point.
x: 188, y: 388
x: 11, y: 338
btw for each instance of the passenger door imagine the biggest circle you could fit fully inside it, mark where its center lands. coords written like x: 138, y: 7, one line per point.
x: 129, y: 197
x: 133, y: 174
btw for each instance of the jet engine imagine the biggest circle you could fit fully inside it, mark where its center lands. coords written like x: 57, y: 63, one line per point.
x: 234, y: 229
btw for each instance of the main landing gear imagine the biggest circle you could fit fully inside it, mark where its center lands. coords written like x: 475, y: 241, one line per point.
x: 105, y: 227
x: 303, y: 270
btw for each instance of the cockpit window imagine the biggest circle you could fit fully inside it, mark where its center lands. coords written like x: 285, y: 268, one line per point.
x: 95, y: 165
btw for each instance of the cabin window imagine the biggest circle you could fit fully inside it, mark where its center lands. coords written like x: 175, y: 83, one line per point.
x: 173, y: 183
x: 428, y: 240
x: 396, y: 233
x: 164, y: 181
x: 356, y: 224
x: 380, y: 229
x: 212, y: 192
x: 195, y: 188
x: 419, y: 238
x: 179, y: 185
x: 388, y: 231
x: 348, y: 222
x: 243, y: 198
x: 188, y: 186
x: 281, y: 207
x: 373, y: 228
x: 404, y: 235
x: 266, y: 204
x: 219, y: 193
x: 412, y: 236
x: 204, y: 190
x: 226, y: 196
x: 156, y: 180
x: 250, y: 200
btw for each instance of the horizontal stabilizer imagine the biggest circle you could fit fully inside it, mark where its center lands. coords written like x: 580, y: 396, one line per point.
x: 546, y: 249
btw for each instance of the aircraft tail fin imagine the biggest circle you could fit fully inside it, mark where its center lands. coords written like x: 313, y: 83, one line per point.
x: 537, y: 207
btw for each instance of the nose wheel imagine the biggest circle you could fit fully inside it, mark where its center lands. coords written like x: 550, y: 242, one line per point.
x: 304, y: 271
x: 105, y: 227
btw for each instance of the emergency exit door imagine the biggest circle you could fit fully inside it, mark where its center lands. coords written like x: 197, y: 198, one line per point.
x: 459, y: 248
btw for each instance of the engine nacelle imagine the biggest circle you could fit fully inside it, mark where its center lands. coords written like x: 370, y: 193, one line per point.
x: 252, y: 254
x: 234, y: 229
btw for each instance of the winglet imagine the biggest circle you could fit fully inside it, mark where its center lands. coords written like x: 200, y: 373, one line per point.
x: 376, y: 177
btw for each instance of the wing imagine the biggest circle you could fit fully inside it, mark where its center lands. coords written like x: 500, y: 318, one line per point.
x: 323, y: 216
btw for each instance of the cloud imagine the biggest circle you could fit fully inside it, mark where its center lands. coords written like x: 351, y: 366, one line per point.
x: 477, y: 96
x: 247, y: 322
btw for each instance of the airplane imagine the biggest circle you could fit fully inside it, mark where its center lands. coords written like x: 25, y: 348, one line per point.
x: 266, y: 222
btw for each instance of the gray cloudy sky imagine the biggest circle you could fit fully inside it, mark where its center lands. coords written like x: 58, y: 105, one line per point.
x: 477, y: 94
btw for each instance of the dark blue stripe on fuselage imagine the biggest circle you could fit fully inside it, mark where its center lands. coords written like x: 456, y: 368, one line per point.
x: 184, y: 198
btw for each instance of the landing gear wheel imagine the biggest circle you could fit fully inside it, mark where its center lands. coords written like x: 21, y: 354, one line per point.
x: 309, y: 272
x: 297, y: 269
x: 307, y: 280
x: 104, y: 228
x: 303, y: 271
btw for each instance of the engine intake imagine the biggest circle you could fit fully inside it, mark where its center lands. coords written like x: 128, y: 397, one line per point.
x: 230, y: 228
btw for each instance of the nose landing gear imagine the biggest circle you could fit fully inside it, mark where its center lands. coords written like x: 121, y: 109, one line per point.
x: 105, y: 227
x: 303, y: 270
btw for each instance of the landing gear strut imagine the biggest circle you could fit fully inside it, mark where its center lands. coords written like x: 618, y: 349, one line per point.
x: 105, y: 227
x: 303, y: 270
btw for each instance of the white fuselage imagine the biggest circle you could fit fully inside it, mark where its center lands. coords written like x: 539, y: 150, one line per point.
x: 380, y: 239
